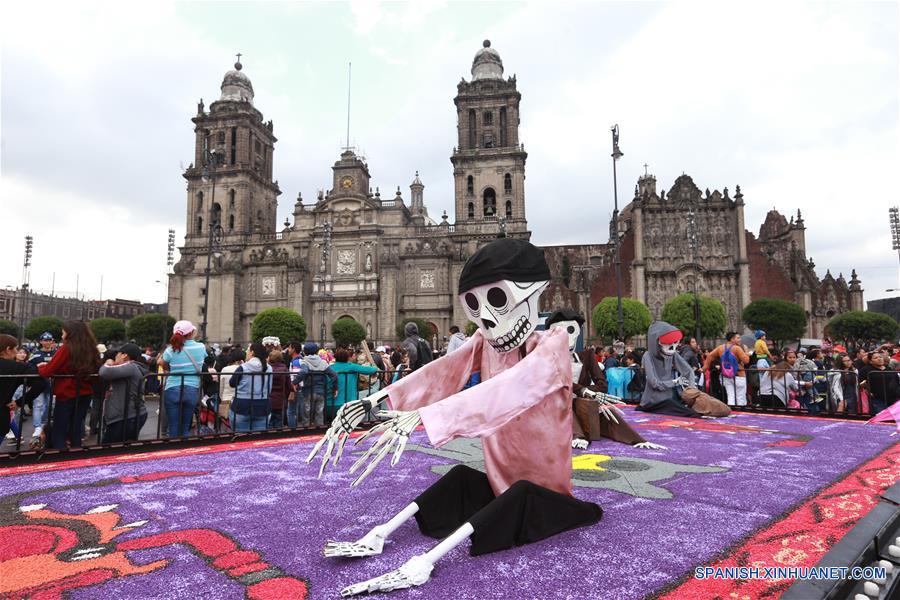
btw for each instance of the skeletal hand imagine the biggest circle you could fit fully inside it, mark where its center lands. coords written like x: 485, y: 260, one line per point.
x: 415, y: 571
x: 348, y: 418
x: 580, y: 443
x: 395, y: 431
x: 369, y: 545
x: 650, y: 446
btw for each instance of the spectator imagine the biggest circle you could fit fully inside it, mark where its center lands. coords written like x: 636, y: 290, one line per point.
x: 690, y: 352
x: 609, y: 358
x: 78, y: 358
x: 881, y: 383
x: 806, y: 378
x: 281, y: 389
x: 849, y: 383
x: 41, y: 406
x: 777, y: 383
x: 315, y: 380
x: 418, y: 349
x: 457, y: 339
x: 733, y: 377
x: 124, y: 412
x: 253, y: 384
x: 182, y: 360
x: 348, y: 376
x: 233, y: 360
x: 9, y: 365
x: 761, y: 348
x: 400, y: 361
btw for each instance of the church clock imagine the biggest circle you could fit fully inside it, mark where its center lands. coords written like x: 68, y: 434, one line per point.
x: 346, y: 183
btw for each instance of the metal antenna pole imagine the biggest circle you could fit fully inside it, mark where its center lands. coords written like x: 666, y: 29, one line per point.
x: 349, y: 78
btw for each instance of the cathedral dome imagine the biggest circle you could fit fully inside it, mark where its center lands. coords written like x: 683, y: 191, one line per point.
x: 487, y: 63
x: 236, y: 86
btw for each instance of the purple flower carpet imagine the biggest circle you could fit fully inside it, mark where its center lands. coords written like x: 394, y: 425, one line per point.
x: 249, y: 519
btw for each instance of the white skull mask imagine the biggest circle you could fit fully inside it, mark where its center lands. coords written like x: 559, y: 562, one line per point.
x: 668, y: 349
x: 505, y: 311
x: 573, y: 329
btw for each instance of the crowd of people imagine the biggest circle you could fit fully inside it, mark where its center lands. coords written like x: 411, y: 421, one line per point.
x: 82, y: 388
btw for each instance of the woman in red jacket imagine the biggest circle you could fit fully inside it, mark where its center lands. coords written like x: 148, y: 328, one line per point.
x: 77, y: 356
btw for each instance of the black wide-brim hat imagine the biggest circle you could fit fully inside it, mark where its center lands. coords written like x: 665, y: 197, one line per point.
x: 564, y: 314
x: 504, y: 258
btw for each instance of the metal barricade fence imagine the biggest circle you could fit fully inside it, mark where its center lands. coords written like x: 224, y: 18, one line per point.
x: 187, y: 406
x: 825, y: 392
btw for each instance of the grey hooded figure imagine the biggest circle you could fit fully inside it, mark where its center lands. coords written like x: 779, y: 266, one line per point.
x: 667, y: 373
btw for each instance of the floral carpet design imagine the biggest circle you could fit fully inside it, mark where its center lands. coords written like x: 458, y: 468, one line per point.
x: 248, y: 519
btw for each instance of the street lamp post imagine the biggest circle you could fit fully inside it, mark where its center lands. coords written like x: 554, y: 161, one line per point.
x: 323, y: 269
x: 214, y: 241
x: 29, y: 245
x: 616, y: 155
x: 692, y: 244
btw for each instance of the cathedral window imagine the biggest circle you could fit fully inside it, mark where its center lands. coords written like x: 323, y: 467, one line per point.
x: 230, y: 222
x: 233, y: 144
x: 199, y: 224
x: 470, y: 185
x: 488, y: 140
x: 503, y: 141
x: 216, y: 215
x: 231, y: 194
x: 487, y: 118
x: 508, y: 209
x: 472, y: 137
x: 507, y: 184
x: 471, y: 210
x: 490, y: 202
x: 220, y: 138
x: 199, y: 200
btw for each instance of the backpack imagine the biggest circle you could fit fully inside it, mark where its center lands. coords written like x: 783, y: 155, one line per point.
x: 729, y: 363
x: 638, y: 382
x: 423, y: 350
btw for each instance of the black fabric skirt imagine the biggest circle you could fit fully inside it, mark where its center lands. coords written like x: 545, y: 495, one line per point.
x: 523, y: 514
x: 672, y: 406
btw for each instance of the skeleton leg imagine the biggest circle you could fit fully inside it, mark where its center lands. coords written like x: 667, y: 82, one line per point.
x: 524, y: 513
x: 415, y: 571
x: 373, y: 542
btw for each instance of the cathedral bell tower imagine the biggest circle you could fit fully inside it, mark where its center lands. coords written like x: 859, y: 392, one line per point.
x: 230, y: 181
x: 489, y: 161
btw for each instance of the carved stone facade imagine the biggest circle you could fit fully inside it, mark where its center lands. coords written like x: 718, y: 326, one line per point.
x: 380, y: 259
x: 353, y: 253
x: 726, y: 261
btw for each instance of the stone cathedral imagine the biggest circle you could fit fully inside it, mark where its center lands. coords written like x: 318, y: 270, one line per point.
x: 353, y: 253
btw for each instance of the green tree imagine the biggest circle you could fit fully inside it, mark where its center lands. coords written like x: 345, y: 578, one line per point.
x: 39, y: 325
x: 283, y: 323
x: 108, y: 329
x: 635, y: 314
x: 9, y: 328
x: 782, y: 321
x: 151, y: 329
x: 347, y: 332
x: 857, y: 326
x: 425, y: 330
x: 471, y: 328
x: 679, y: 311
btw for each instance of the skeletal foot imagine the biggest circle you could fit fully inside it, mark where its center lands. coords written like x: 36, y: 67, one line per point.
x: 415, y: 571
x: 369, y: 545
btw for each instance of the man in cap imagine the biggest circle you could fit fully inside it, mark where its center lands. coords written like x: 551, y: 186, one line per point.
x: 42, y: 403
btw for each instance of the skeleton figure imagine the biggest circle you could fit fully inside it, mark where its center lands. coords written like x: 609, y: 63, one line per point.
x: 524, y: 401
x: 595, y: 414
x: 668, y: 374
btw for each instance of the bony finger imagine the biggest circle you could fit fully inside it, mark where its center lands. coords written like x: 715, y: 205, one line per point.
x: 372, y: 465
x: 398, y: 451
x: 316, y: 449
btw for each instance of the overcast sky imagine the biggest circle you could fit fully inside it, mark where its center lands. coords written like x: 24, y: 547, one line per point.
x: 796, y: 102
